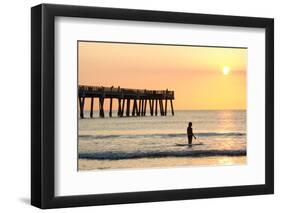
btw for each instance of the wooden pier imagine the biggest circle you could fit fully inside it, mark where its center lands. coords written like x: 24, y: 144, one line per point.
x: 136, y: 100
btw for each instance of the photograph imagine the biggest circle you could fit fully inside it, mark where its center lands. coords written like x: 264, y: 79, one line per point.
x: 144, y: 105
x: 135, y: 105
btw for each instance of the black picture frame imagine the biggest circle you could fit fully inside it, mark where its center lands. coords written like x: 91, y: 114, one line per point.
x: 43, y: 105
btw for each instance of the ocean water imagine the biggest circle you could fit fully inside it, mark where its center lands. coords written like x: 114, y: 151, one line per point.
x: 149, y: 141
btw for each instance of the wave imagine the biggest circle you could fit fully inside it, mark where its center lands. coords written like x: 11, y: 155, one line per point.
x: 159, y: 154
x: 172, y: 135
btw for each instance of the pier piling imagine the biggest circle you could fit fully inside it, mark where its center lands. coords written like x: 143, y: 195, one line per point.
x: 156, y: 106
x: 92, y: 107
x: 110, y: 108
x: 128, y: 107
x: 172, y: 108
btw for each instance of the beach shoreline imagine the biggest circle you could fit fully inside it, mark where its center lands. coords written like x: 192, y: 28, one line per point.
x: 146, y: 163
x: 158, y: 142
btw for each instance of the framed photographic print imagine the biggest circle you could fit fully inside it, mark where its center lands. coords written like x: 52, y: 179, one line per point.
x: 139, y: 106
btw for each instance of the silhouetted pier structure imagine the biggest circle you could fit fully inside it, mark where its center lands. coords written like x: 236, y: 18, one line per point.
x: 136, y: 100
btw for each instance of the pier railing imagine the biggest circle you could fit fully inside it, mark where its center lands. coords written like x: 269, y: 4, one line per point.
x: 138, y: 97
x: 116, y: 92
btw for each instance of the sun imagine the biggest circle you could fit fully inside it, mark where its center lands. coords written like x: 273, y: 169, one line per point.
x: 225, y: 70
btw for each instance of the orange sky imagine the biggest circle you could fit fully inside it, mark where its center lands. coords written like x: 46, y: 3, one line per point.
x: 194, y: 73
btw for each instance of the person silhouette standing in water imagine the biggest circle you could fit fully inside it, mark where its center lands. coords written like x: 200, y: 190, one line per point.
x: 190, y: 134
